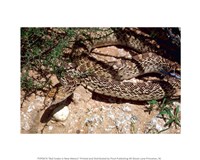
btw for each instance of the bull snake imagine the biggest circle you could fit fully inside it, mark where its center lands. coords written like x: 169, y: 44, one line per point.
x: 103, y: 78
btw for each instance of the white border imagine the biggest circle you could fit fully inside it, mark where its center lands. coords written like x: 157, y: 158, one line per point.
x: 16, y: 14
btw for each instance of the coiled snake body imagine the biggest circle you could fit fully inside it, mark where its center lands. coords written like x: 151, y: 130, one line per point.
x: 103, y: 78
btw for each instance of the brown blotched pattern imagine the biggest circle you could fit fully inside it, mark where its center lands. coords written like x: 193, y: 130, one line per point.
x: 103, y: 78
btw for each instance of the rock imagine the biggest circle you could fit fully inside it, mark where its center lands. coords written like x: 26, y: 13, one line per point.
x: 81, y: 95
x: 61, y: 113
x: 54, y: 80
x: 30, y: 118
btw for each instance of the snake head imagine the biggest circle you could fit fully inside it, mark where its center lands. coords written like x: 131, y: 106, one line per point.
x: 173, y: 70
x: 172, y: 67
x: 176, y: 71
x: 176, y: 67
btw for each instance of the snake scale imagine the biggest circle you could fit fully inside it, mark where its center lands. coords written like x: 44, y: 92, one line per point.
x: 103, y: 78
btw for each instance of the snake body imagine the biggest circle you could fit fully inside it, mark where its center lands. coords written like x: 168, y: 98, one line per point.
x: 102, y: 78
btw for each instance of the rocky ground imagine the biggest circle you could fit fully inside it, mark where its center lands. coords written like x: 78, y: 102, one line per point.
x: 87, y: 115
x: 86, y: 112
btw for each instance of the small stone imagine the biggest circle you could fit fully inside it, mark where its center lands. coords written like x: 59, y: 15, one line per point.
x: 126, y: 109
x: 61, y: 113
x: 33, y: 74
x: 50, y: 128
x: 54, y: 80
